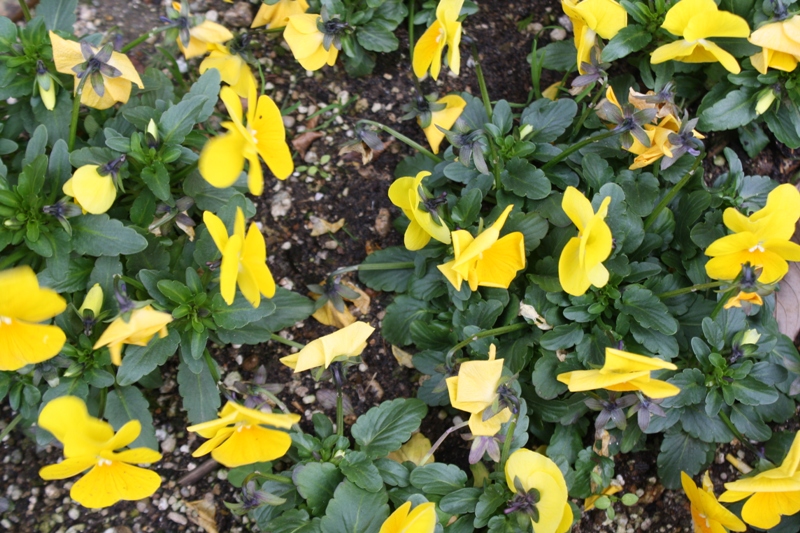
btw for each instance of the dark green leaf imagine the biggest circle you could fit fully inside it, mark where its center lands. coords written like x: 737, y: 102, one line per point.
x: 128, y: 403
x: 58, y: 14
x: 317, y: 482
x: 141, y: 360
x: 98, y: 235
x: 395, y: 280
x: 358, y: 468
x: 628, y: 40
x: 682, y: 453
x: 200, y: 394
x: 645, y: 308
x: 549, y: 119
x: 731, y: 112
x: 385, y: 428
x: 438, y: 478
x: 354, y: 510
x: 240, y: 313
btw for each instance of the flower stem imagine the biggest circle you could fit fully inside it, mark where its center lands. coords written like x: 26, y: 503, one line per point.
x: 727, y: 421
x: 487, y: 103
x: 101, y: 402
x: 267, y: 477
x: 412, y: 5
x: 23, y: 5
x: 672, y: 192
x: 287, y: 342
x: 10, y: 426
x: 212, y: 367
x: 76, y: 108
x: 440, y: 441
x: 693, y: 288
x: 486, y: 333
x: 373, y: 266
x: 174, y: 68
x: 577, y: 146
x: 339, y: 413
x: 721, y: 303
x: 402, y: 138
x: 512, y: 426
x: 136, y: 42
x: 585, y: 114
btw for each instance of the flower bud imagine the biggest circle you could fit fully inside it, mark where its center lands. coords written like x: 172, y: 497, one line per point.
x: 47, y: 87
x: 765, y: 101
x: 152, y: 132
x: 93, y: 301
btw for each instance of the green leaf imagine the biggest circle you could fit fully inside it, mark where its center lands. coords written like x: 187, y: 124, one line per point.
x: 156, y: 178
x: 58, y: 14
x: 682, y: 453
x: 750, y: 391
x: 317, y: 482
x: 731, y: 112
x: 785, y: 123
x: 467, y: 208
x: 691, y: 381
x: 748, y: 421
x: 206, y: 86
x: 559, y: 56
x: 200, y: 394
x: 395, y: 280
x: 438, y: 478
x: 385, y: 428
x: 175, y: 291
x: 490, y: 501
x: 641, y: 191
x: 375, y: 37
x: 628, y: 40
x: 290, y: 308
x: 8, y: 31
x: 562, y: 337
x: 141, y: 360
x: 544, y: 377
x: 460, y: 501
x: 179, y: 119
x: 524, y: 179
x: 294, y: 521
x: 240, y: 313
x: 655, y: 341
x: 392, y: 472
x: 698, y: 424
x: 125, y: 404
x: 396, y: 325
x: 645, y: 308
x: 98, y: 235
x: 549, y: 119
x: 354, y: 510
x: 358, y: 468
x: 502, y: 116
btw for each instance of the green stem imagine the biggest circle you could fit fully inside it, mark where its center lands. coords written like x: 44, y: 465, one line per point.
x: 440, y: 441
x: 10, y: 426
x: 512, y: 426
x: 672, y: 192
x: 585, y: 114
x: 487, y: 103
x: 274, y: 399
x: 136, y: 42
x: 23, y: 5
x: 402, y: 138
x: 339, y: 413
x: 287, y: 342
x: 267, y: 477
x: 485, y: 333
x: 536, y: 71
x: 693, y: 288
x: 412, y: 5
x: 373, y: 266
x: 12, y: 258
x: 212, y: 367
x: 184, y: 171
x: 724, y: 417
x: 577, y: 146
x: 174, y: 68
x: 721, y: 303
x: 76, y: 108
x: 101, y: 402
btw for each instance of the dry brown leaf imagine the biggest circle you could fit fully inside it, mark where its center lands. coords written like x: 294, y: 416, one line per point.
x: 403, y: 357
x: 304, y: 140
x: 203, y: 512
x: 362, y: 302
x: 328, y: 315
x: 383, y: 222
x: 367, y: 153
x: 320, y: 226
x: 787, y: 299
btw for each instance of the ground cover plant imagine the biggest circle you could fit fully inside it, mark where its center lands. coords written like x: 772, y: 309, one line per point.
x: 572, y: 287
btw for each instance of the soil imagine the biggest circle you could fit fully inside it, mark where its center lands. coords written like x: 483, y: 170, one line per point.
x: 358, y: 194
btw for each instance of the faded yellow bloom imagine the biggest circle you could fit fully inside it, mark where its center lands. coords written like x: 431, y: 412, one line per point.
x: 539, y: 490
x: 202, y: 36
x: 233, y: 70
x: 445, y: 31
x: 414, y: 450
x: 277, y: 15
x: 94, y: 192
x: 780, y: 45
x: 454, y: 106
x: 708, y: 515
x: 591, y: 18
x: 421, y: 520
x: 347, y: 342
x: 745, y: 298
x: 405, y: 194
x: 141, y: 326
x: 306, y: 42
x: 588, y: 503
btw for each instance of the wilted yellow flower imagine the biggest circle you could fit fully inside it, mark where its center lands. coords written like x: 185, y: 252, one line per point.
x: 238, y: 437
x: 773, y: 493
x: 708, y: 515
x: 111, y: 74
x: 780, y: 45
x: 405, y: 194
x: 23, y: 304
x: 762, y: 239
x: 93, y: 301
x: 421, y: 520
x: 306, y: 42
x: 202, y: 35
x: 588, y: 503
x: 591, y: 18
x: 486, y: 260
x: 347, y: 342
x: 277, y: 15
x: 551, y: 93
x: 94, y: 192
x: 445, y: 118
x: 222, y: 158
x: 233, y: 70
x: 744, y: 297
x: 244, y: 259
x: 414, y: 450
x: 142, y: 324
x: 445, y: 31
x: 623, y: 372
x: 539, y: 491
x: 90, y: 443
x: 581, y: 263
x: 696, y: 21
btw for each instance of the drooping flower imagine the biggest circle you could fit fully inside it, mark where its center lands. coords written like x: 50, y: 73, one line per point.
x: 581, y: 263
x: 93, y: 186
x: 696, y: 21
x: 311, y: 46
x: 762, y: 239
x: 780, y: 45
x: 238, y: 437
x: 622, y: 372
x: 591, y: 18
x: 347, y: 342
x: 445, y: 31
x: 244, y: 259
x: 772, y: 493
x: 233, y: 70
x: 486, y: 260
x: 539, y: 491
x: 222, y: 158
x: 744, y: 299
x: 142, y: 324
x: 406, y: 194
x: 421, y: 520
x: 23, y: 341
x: 414, y: 450
x: 111, y: 74
x: 708, y: 515
x: 277, y: 15
x: 445, y: 118
x: 195, y: 41
x: 90, y: 443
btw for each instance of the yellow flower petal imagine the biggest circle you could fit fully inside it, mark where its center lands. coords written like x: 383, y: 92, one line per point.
x: 270, y: 136
x: 680, y: 15
x: 222, y: 160
x: 444, y: 118
x: 95, y: 193
x: 107, y: 484
x: 252, y: 444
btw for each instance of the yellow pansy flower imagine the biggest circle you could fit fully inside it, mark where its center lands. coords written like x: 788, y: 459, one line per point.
x: 111, y: 74
x: 202, y: 36
x: 244, y: 259
x: 772, y: 493
x: 347, y: 342
x: 277, y: 15
x: 696, y: 21
x: 142, y: 324
x: 744, y: 298
x: 780, y: 45
x: 222, y: 158
x: 90, y: 443
x: 405, y: 194
x: 23, y: 341
x: 581, y: 263
x: 94, y: 192
x: 539, y: 491
x: 306, y: 42
x: 445, y: 31
x: 238, y: 437
x: 623, y: 372
x: 414, y: 450
x: 421, y: 520
x: 454, y: 106
x: 708, y: 515
x: 233, y: 70
x: 659, y: 142
x: 591, y: 18
x: 486, y: 260
x: 762, y: 239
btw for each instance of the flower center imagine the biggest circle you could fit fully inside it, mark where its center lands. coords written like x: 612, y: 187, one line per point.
x: 243, y: 427
x: 253, y: 134
x: 757, y: 248
x: 5, y: 320
x: 104, y: 462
